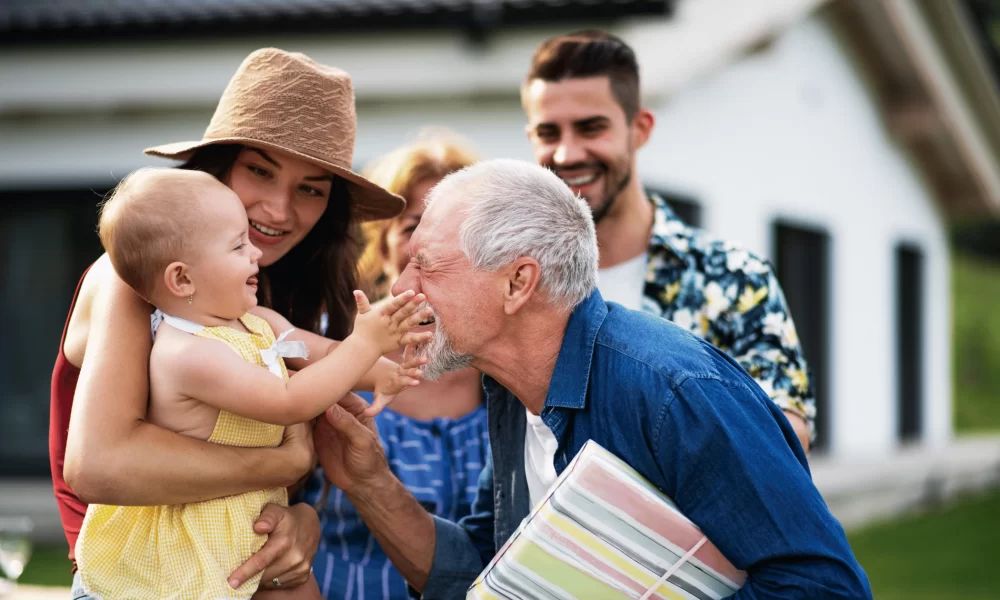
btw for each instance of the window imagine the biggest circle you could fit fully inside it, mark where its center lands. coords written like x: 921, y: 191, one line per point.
x: 802, y: 264
x: 909, y: 341
x: 48, y: 239
x: 685, y: 207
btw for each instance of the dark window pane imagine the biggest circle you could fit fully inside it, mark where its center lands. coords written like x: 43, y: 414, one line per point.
x: 802, y: 265
x: 685, y: 207
x: 49, y: 238
x: 909, y: 341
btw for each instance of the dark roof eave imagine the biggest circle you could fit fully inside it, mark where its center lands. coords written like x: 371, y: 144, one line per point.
x: 476, y: 19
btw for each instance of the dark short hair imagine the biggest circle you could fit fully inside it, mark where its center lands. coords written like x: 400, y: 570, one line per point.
x: 590, y: 53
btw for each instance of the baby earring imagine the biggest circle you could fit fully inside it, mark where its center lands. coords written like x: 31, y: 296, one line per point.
x: 191, y: 299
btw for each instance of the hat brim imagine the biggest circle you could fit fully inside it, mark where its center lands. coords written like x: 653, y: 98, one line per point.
x: 371, y: 202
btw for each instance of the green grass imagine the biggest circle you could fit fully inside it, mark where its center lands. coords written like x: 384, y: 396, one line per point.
x: 48, y: 565
x: 949, y: 553
x: 946, y: 554
x: 976, y: 339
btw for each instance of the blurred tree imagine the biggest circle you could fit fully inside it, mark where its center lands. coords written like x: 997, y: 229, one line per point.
x: 985, y: 18
x: 980, y: 238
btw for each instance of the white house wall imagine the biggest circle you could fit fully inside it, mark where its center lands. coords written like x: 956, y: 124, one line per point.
x: 790, y: 132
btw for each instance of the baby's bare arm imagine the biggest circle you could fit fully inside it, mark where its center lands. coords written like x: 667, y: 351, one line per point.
x: 319, y: 347
x: 224, y: 380
x: 208, y: 371
x: 169, y: 408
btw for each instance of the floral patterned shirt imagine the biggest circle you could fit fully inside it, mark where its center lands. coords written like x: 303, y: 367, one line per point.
x: 731, y: 298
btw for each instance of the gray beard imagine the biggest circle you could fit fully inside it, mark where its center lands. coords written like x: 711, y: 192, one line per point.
x: 441, y: 356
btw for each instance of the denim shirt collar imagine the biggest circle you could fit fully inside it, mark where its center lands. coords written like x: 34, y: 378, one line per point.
x: 568, y: 387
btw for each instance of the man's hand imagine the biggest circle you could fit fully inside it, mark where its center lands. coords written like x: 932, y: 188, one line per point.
x: 292, y: 539
x: 353, y: 459
x: 347, y: 445
x: 801, y: 428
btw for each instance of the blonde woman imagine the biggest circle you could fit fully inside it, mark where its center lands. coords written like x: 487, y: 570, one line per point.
x: 434, y: 435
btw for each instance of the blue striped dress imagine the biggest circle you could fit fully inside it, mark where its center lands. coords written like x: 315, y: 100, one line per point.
x: 438, y: 460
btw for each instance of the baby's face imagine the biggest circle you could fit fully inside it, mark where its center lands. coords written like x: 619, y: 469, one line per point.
x: 224, y: 267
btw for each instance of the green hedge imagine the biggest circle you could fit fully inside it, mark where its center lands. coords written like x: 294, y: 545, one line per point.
x: 976, y: 340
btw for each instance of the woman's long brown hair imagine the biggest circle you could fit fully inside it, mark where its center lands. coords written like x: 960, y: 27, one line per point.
x: 320, y: 273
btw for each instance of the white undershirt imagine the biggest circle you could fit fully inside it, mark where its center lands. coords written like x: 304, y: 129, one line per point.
x: 539, y: 455
x: 624, y: 283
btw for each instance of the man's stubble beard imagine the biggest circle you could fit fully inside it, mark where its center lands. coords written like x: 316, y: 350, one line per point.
x: 612, y: 190
x: 602, y: 211
x: 441, y: 355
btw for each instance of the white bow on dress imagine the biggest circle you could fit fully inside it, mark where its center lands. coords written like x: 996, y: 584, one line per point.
x: 284, y: 349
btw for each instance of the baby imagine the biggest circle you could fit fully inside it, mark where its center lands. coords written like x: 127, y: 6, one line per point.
x: 218, y: 373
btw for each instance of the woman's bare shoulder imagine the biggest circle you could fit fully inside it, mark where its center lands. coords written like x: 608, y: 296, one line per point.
x: 101, y: 287
x: 100, y: 280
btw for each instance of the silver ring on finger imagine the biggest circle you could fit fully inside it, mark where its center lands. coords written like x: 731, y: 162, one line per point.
x: 276, y: 582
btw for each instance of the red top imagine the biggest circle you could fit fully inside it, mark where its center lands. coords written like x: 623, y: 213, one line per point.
x: 64, y: 378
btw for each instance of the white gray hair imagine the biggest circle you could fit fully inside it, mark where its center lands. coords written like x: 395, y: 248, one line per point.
x: 514, y: 209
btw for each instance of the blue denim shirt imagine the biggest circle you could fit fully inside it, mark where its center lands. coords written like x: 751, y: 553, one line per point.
x: 690, y: 419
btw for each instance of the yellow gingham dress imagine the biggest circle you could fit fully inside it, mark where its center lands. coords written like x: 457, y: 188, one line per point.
x: 185, y: 551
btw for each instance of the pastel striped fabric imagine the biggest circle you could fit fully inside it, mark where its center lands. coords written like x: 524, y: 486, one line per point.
x: 605, y: 532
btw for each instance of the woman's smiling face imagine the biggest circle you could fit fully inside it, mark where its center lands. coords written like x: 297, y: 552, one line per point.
x: 284, y: 197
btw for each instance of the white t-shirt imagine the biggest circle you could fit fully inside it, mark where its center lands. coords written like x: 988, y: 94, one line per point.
x: 539, y: 454
x: 624, y: 283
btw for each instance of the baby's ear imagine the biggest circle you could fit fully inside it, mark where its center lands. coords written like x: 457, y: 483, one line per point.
x: 177, y: 280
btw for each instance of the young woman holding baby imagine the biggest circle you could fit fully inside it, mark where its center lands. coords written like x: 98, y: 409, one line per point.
x: 282, y: 139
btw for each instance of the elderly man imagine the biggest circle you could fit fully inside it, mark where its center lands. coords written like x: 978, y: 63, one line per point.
x: 506, y: 255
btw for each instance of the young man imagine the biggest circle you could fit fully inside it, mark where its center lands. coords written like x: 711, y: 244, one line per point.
x: 586, y: 124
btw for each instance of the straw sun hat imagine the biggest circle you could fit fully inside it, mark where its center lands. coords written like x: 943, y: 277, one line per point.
x: 286, y: 101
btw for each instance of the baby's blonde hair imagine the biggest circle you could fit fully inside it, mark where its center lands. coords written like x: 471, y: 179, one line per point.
x: 148, y: 220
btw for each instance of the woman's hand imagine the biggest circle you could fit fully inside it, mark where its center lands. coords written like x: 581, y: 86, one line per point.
x: 298, y: 448
x: 292, y: 539
x: 293, y: 532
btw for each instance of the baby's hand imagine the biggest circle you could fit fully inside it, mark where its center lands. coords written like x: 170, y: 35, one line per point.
x: 387, y: 325
x: 403, y: 376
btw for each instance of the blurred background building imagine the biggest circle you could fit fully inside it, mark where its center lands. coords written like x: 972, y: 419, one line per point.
x: 837, y: 138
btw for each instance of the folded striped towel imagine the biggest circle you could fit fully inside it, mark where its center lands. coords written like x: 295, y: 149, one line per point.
x: 606, y: 532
